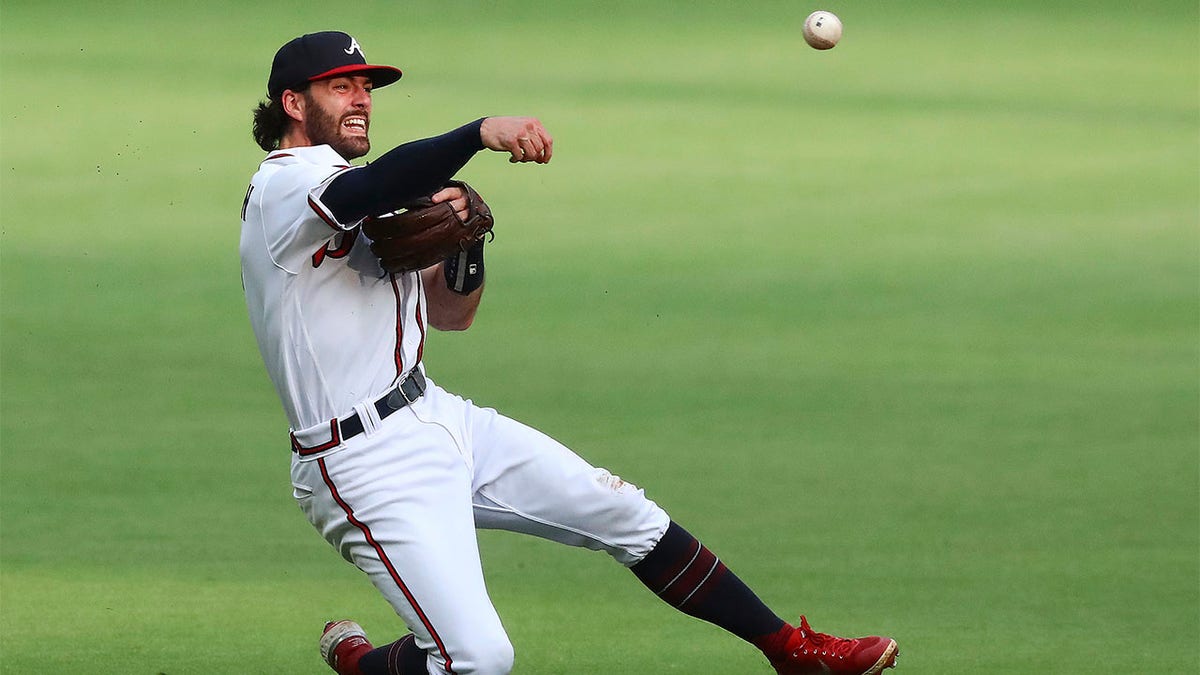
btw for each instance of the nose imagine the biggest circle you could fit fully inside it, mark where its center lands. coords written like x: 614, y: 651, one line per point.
x: 362, y: 98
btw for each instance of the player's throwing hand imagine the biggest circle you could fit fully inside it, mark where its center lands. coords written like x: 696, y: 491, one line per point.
x: 524, y: 138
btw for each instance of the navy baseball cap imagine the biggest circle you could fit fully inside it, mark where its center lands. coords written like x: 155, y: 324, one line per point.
x: 318, y: 56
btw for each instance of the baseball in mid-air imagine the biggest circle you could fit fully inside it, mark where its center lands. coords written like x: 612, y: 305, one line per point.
x: 822, y: 30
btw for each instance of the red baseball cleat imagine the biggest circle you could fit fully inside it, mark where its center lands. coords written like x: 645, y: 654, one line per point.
x: 811, y: 653
x: 343, y: 643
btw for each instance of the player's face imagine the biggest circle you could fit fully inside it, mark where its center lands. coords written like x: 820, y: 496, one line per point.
x: 338, y: 113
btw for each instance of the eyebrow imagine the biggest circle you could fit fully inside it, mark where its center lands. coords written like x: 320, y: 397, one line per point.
x: 353, y: 78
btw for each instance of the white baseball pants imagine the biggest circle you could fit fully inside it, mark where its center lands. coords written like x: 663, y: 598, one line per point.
x: 402, y: 500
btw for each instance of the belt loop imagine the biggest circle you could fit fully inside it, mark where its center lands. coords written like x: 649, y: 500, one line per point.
x: 369, y: 417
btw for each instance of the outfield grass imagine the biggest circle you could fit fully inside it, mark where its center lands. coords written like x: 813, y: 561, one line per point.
x: 908, y: 331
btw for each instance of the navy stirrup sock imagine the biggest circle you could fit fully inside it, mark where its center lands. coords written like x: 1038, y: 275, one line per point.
x: 687, y: 576
x: 402, y: 657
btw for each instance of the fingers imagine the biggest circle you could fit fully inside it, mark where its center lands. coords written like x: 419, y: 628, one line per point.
x: 524, y: 138
x: 537, y: 146
x: 450, y: 192
x: 457, y: 198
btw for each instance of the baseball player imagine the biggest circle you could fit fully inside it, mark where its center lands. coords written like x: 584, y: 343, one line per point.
x: 395, y: 472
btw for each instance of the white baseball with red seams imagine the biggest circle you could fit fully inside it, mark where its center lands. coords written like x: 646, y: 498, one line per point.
x: 401, y: 500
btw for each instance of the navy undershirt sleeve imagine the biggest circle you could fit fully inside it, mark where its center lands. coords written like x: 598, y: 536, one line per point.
x: 402, y: 174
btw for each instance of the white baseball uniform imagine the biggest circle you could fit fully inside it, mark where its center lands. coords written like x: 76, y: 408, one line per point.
x: 397, y: 480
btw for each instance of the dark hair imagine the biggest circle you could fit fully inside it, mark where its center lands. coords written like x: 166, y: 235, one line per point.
x: 270, y: 121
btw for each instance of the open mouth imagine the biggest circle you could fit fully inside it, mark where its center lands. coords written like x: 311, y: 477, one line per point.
x: 355, y: 125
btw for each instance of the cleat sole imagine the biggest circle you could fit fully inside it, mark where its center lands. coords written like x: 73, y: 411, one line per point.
x: 886, y: 660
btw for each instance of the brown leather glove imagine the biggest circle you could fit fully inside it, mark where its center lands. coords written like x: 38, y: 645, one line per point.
x: 424, y: 233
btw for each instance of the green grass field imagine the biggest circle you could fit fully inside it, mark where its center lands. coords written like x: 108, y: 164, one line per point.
x: 908, y: 331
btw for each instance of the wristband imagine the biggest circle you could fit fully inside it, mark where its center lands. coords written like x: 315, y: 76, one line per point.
x: 464, y: 270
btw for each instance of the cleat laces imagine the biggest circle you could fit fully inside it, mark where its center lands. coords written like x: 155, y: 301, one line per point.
x: 821, y: 644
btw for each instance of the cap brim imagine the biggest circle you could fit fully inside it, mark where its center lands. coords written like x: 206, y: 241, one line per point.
x: 381, y: 76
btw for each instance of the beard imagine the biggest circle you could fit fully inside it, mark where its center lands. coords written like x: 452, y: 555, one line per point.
x: 325, y: 129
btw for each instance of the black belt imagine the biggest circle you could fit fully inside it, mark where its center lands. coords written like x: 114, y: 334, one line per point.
x: 406, y: 392
x: 409, y: 390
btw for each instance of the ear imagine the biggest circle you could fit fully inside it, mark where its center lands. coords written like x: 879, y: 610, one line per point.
x: 293, y: 104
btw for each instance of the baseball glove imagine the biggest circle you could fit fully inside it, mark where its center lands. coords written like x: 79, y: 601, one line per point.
x: 424, y: 233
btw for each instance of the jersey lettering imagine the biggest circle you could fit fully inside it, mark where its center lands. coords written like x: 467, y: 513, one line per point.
x: 347, y: 243
x: 246, y: 201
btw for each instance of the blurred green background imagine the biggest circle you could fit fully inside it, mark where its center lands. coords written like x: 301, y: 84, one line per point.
x: 908, y: 331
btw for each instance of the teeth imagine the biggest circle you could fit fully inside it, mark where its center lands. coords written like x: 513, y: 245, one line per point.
x: 356, y: 123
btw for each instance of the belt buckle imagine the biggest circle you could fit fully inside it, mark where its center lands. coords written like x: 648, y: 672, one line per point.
x: 398, y: 398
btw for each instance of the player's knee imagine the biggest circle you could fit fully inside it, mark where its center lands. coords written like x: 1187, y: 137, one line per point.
x: 486, y: 656
x: 497, y: 659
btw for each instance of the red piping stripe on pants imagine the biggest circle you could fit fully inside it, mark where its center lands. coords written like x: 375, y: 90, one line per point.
x: 383, y: 557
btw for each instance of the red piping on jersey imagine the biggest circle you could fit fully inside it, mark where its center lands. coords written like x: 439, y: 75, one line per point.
x: 399, y: 354
x: 321, y: 212
x: 383, y: 557
x: 421, y: 325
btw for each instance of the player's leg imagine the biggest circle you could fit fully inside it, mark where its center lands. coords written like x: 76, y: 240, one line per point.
x: 688, y: 576
x: 685, y: 574
x: 397, y: 504
x: 345, y: 647
x: 526, y: 481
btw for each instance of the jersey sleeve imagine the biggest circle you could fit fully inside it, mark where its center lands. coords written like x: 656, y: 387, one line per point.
x: 295, y: 221
x: 316, y: 203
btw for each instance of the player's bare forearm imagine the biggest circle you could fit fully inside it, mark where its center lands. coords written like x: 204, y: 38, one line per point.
x: 446, y: 309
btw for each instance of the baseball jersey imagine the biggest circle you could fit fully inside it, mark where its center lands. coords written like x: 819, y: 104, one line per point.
x: 334, y: 329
